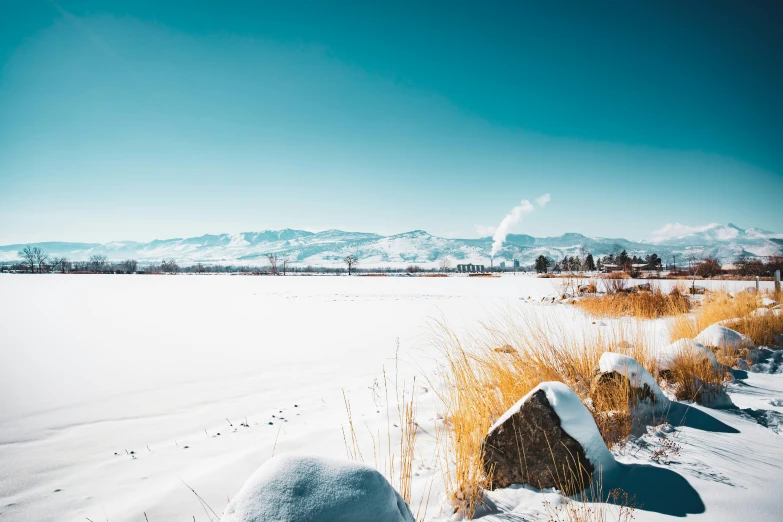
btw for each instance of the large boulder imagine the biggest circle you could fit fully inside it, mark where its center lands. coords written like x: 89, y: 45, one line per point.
x: 622, y: 373
x: 547, y: 439
x: 292, y: 488
x: 618, y: 371
x: 718, y: 336
x: 684, y: 348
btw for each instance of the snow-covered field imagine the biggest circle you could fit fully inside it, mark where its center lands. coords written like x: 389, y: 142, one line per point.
x: 119, y: 392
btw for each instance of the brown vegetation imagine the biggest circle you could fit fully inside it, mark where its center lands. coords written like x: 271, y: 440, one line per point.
x: 723, y: 306
x: 641, y: 304
x: 482, y: 383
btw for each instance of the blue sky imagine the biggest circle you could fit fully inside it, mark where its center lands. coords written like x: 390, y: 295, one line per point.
x: 149, y: 119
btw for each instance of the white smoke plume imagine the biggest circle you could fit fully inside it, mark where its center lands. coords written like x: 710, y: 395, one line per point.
x: 523, y: 209
x: 543, y: 200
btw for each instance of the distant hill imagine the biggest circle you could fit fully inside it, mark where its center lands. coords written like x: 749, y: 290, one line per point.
x: 415, y: 247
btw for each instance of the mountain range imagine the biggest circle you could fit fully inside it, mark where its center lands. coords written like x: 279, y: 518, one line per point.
x: 329, y: 247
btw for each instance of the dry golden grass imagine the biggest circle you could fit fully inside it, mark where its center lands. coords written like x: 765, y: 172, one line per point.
x: 721, y: 306
x: 398, y: 469
x: 695, y: 379
x: 481, y: 383
x: 643, y: 305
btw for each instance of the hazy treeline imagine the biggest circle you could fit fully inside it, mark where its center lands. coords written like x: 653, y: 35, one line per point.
x: 35, y: 260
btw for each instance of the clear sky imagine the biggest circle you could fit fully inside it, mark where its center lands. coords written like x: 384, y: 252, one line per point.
x: 136, y: 119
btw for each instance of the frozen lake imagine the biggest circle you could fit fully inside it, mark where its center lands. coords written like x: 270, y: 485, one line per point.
x: 95, y: 367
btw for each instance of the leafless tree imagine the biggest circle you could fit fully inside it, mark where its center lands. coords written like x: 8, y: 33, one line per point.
x: 97, y: 263
x: 169, y: 266
x: 351, y: 260
x: 445, y: 264
x: 272, y: 263
x: 28, y: 256
x: 285, y: 262
x: 62, y: 264
x: 41, y: 258
x: 708, y: 268
x: 199, y: 268
x: 129, y: 266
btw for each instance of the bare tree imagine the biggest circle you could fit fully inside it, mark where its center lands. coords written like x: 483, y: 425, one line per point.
x: 199, y: 268
x: 97, y: 263
x: 129, y: 266
x: 351, y: 260
x: 272, y: 263
x: 445, y: 264
x: 28, y: 256
x: 41, y: 258
x: 62, y: 264
x: 169, y: 266
x: 285, y: 263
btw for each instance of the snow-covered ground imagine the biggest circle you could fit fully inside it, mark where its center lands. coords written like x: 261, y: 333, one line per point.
x: 118, y: 393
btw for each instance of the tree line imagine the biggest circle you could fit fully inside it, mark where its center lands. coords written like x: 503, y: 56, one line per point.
x: 35, y: 260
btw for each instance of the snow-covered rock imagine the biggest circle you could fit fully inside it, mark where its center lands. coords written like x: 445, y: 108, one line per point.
x: 294, y: 488
x: 555, y: 428
x: 768, y: 303
x: 721, y: 337
x: 683, y: 348
x: 630, y: 368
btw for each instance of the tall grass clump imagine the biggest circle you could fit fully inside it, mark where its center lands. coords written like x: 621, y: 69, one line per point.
x: 695, y: 379
x: 739, y: 312
x: 483, y: 378
x: 641, y: 304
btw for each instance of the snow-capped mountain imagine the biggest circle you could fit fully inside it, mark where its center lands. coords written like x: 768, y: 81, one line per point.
x: 331, y: 246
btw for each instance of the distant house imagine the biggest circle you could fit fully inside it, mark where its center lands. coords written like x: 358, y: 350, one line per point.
x: 470, y: 267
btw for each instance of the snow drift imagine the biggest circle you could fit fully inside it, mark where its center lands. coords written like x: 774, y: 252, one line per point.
x: 721, y: 337
x: 296, y: 488
x: 666, y: 357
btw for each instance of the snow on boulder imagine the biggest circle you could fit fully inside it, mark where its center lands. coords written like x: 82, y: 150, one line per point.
x: 759, y: 312
x: 768, y: 303
x: 613, y: 364
x: 721, y: 337
x: 684, y: 348
x: 547, y: 429
x: 295, y: 488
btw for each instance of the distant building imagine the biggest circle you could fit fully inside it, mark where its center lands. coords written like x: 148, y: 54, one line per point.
x: 502, y: 265
x: 470, y: 267
x: 516, y: 264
